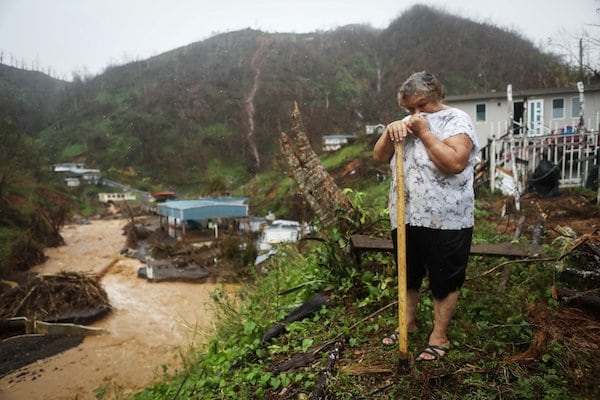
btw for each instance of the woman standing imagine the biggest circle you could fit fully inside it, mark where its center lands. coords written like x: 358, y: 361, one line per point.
x: 439, y: 149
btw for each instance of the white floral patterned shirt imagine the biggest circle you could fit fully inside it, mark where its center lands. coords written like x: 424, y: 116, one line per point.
x: 434, y: 199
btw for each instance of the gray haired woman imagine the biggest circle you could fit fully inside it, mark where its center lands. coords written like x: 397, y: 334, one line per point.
x: 440, y: 146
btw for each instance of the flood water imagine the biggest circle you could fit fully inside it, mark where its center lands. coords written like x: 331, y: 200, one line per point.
x: 151, y: 327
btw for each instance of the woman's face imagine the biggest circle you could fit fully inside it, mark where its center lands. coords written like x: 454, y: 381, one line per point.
x: 420, y: 103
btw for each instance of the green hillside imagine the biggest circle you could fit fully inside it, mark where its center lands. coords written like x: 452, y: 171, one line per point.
x: 213, y: 110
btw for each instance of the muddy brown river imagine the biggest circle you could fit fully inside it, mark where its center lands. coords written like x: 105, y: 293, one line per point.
x: 151, y: 327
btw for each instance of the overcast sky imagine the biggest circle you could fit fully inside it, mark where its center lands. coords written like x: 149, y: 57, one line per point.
x: 86, y: 36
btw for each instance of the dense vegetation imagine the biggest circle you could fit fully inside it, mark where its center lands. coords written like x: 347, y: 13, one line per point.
x: 31, y: 210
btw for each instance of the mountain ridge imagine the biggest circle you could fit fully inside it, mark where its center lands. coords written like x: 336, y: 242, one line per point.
x: 217, y: 106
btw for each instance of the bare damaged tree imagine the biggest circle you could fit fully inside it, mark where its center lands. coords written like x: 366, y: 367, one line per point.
x: 319, y: 188
x: 581, y: 49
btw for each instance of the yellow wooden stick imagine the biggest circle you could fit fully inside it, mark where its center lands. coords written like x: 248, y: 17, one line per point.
x: 401, y: 248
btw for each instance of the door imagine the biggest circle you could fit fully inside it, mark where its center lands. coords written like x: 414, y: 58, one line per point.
x: 518, y: 117
x: 535, y: 117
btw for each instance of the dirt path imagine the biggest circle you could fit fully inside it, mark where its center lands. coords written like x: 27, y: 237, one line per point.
x: 150, y: 329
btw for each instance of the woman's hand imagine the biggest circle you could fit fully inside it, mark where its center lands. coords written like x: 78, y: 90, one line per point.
x: 397, y: 130
x: 417, y: 124
x: 384, y: 148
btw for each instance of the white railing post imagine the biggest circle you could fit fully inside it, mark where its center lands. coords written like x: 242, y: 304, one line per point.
x: 493, y: 163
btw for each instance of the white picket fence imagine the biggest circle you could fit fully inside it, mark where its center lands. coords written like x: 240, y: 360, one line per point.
x: 575, y: 153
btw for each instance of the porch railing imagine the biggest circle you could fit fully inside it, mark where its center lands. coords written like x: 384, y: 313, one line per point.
x: 574, y: 153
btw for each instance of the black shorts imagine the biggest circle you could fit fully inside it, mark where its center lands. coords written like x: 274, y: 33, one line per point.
x: 440, y: 254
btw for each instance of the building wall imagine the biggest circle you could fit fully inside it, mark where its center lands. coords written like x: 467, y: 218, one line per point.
x: 497, y: 113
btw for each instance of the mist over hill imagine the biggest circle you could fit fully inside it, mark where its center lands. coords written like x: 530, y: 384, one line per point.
x: 213, y: 110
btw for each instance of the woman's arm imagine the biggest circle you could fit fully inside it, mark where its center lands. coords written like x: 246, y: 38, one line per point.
x: 450, y: 156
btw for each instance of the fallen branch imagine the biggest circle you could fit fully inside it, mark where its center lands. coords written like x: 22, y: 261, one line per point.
x: 504, y: 264
x: 308, y: 357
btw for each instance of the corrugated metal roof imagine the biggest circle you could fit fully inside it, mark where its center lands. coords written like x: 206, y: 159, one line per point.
x: 206, y: 208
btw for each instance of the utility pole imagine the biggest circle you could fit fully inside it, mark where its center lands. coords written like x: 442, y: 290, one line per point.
x: 581, y: 59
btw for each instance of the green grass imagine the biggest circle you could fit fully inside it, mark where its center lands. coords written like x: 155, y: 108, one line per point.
x: 342, y: 156
x: 72, y: 151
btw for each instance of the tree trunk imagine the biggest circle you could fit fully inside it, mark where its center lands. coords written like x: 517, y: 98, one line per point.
x: 317, y: 186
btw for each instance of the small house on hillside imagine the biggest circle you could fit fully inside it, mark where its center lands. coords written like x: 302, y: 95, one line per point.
x: 161, y: 197
x: 115, y: 197
x: 540, y: 111
x: 83, y: 175
x: 73, y: 182
x: 374, y: 129
x: 68, y: 167
x: 336, y: 142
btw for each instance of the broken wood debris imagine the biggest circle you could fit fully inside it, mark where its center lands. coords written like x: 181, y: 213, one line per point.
x: 303, y: 359
x: 574, y: 329
x: 309, y: 307
x: 588, y: 300
x: 65, y: 297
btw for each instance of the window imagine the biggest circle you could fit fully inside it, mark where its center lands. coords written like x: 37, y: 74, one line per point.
x: 479, y: 112
x: 575, y: 105
x: 558, y: 108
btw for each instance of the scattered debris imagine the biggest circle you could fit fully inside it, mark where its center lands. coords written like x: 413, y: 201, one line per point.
x: 159, y: 272
x: 574, y: 329
x: 23, y: 324
x: 309, y: 307
x: 302, y: 359
x: 66, y: 297
x: 320, y: 390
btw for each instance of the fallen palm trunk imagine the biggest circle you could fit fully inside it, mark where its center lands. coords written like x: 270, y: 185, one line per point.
x: 317, y: 186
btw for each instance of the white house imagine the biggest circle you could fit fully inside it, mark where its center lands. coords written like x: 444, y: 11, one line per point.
x: 336, y: 142
x: 73, y: 182
x: 75, y: 168
x: 273, y: 235
x: 67, y: 167
x: 542, y: 111
x: 374, y: 129
x: 559, y: 125
x: 115, y: 197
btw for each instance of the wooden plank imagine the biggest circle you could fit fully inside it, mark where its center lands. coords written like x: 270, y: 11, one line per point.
x: 364, y: 243
x: 368, y: 243
x: 506, y: 249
